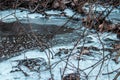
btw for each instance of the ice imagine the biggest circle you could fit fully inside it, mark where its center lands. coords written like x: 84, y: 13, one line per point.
x: 58, y: 62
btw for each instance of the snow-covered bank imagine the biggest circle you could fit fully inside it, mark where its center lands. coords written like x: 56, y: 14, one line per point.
x: 87, y: 61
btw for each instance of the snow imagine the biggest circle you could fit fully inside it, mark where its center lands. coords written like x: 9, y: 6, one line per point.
x: 58, y: 62
x: 69, y: 12
x: 53, y: 12
x: 13, y: 15
x: 6, y: 66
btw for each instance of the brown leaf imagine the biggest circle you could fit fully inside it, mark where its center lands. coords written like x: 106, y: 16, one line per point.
x: 56, y: 4
x: 85, y: 51
x: 101, y: 27
x: 72, y: 76
x: 117, y: 46
x: 117, y: 56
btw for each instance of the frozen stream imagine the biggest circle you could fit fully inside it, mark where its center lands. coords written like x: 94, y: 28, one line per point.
x: 98, y: 44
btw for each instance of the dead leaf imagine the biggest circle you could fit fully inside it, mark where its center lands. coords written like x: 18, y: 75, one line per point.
x: 117, y: 56
x: 116, y: 46
x: 101, y: 27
